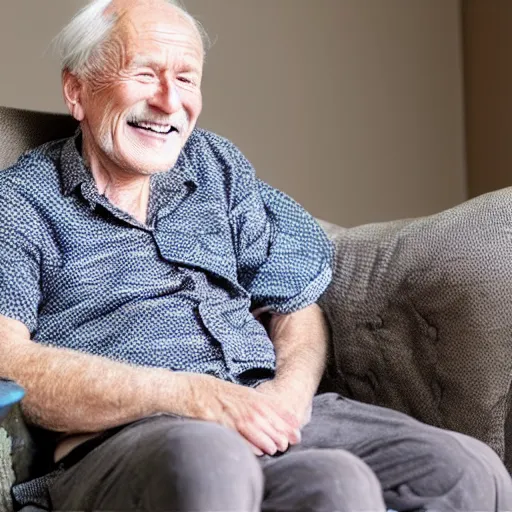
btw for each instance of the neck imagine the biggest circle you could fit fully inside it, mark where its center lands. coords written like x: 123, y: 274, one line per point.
x: 127, y: 191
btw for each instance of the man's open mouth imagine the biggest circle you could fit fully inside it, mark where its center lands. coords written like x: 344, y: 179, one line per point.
x: 164, y: 129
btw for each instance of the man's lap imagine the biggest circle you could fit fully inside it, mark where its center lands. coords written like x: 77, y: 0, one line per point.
x: 399, y: 450
x: 156, y: 456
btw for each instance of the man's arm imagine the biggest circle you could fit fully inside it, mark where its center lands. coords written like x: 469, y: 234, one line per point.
x: 284, y: 261
x: 73, y: 392
x: 300, y: 341
x: 70, y: 391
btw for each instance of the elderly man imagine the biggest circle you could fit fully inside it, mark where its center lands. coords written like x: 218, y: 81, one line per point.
x: 158, y: 304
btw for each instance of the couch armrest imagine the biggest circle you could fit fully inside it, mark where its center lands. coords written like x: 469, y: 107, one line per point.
x: 10, y: 395
x: 25, y: 453
x: 17, y: 443
x: 421, y: 317
x: 6, y: 472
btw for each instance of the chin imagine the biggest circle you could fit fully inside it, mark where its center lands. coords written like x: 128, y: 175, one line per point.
x: 143, y: 154
x: 148, y: 168
x: 148, y: 164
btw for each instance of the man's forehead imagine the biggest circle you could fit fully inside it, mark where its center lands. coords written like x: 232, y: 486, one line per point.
x: 140, y: 21
x: 145, y: 48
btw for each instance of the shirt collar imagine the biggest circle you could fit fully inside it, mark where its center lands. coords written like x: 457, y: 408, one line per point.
x: 74, y: 172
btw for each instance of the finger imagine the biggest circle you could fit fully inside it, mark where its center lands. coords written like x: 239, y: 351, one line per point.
x: 290, y: 418
x: 280, y: 431
x: 295, y: 437
x: 258, y: 438
x: 280, y: 438
x: 284, y: 414
x: 290, y: 431
x: 266, y: 419
x: 292, y: 434
x: 255, y: 450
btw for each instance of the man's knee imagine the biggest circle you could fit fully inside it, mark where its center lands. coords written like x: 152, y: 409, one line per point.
x: 200, y: 447
x: 326, y: 479
x: 200, y: 464
x: 343, y: 472
x: 343, y: 478
x: 483, y: 470
x: 458, y: 465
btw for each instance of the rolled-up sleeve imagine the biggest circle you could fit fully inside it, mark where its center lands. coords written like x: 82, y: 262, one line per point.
x: 284, y: 258
x: 19, y: 262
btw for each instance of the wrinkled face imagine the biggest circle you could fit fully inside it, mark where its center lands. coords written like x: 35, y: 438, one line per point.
x: 141, y: 102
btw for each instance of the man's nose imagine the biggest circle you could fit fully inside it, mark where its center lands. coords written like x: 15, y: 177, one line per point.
x: 168, y: 97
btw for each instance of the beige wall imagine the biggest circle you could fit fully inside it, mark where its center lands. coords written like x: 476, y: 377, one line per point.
x: 488, y: 81
x: 353, y: 107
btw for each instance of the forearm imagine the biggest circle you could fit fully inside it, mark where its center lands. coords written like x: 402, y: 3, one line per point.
x: 300, y: 341
x: 70, y: 391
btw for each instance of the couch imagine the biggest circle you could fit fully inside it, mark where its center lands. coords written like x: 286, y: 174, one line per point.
x: 420, y: 313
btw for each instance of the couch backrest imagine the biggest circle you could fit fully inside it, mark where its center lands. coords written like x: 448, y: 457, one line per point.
x: 21, y: 130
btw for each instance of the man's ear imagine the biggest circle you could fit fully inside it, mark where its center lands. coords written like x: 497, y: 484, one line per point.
x: 73, y: 92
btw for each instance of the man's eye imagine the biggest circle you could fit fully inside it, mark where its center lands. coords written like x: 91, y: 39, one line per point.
x: 146, y: 75
x: 185, y: 80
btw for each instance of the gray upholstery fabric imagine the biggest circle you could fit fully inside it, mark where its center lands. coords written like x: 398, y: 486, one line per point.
x: 419, y: 309
x: 6, y: 472
x: 421, y: 315
x: 21, y: 130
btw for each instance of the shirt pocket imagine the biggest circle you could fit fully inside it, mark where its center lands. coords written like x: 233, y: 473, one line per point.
x: 243, y: 339
x: 200, y: 239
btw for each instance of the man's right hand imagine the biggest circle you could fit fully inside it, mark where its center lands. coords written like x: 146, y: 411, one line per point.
x: 260, y: 419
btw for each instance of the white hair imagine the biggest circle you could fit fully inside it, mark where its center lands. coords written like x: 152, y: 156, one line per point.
x: 91, y: 27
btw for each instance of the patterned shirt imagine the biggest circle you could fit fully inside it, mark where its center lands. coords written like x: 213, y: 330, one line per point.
x: 177, y: 292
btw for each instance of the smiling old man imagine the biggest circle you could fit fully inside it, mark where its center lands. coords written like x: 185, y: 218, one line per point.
x: 158, y: 304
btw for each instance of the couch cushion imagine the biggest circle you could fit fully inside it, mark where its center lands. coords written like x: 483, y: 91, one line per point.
x: 421, y: 314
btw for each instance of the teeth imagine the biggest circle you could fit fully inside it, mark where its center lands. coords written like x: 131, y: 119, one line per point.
x: 155, y: 127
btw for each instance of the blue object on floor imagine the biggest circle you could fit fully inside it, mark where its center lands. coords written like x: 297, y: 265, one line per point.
x: 10, y: 394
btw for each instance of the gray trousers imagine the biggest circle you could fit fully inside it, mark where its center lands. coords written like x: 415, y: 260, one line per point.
x: 353, y: 457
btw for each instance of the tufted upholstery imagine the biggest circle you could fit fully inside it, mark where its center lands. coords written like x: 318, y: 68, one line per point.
x: 421, y: 315
x: 420, y: 310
